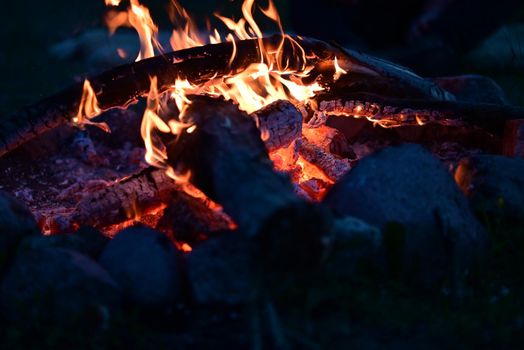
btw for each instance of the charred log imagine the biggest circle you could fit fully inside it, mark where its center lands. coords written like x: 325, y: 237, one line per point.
x: 280, y: 123
x: 136, y: 195
x: 331, y: 165
x: 122, y: 85
x: 330, y: 140
x: 190, y: 220
x: 403, y: 112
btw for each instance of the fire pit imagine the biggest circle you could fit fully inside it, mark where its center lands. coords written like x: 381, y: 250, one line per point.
x: 231, y: 170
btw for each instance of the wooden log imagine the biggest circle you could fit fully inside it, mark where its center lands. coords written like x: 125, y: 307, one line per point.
x: 122, y: 85
x: 329, y: 139
x: 127, y: 199
x: 280, y: 123
x: 403, y: 112
x: 331, y: 165
x: 190, y: 220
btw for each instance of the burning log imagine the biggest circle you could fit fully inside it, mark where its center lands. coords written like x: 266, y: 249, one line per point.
x: 122, y: 85
x: 141, y: 193
x: 280, y: 123
x: 333, y: 167
x: 330, y: 140
x: 229, y: 163
x: 190, y: 220
x: 151, y: 190
x: 403, y: 112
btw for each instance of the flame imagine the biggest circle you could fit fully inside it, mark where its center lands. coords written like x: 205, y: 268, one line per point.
x: 185, y: 35
x: 152, y: 123
x: 138, y: 17
x: 273, y: 77
x: 88, y: 108
x: 338, y: 70
x: 186, y: 248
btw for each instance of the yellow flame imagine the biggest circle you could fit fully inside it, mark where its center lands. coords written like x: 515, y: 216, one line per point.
x: 338, y: 70
x: 138, y: 17
x: 272, y: 78
x: 88, y: 108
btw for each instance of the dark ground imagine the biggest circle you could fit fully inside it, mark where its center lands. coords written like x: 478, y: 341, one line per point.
x: 490, y: 317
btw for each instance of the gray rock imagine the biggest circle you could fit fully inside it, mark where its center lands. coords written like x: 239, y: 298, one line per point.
x: 355, y: 245
x: 86, y: 240
x: 494, y: 185
x: 55, y: 286
x: 220, y: 270
x: 16, y: 223
x: 143, y: 261
x: 473, y: 88
x: 427, y: 222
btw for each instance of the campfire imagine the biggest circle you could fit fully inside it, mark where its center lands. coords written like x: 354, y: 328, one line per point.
x: 234, y: 130
x: 291, y: 88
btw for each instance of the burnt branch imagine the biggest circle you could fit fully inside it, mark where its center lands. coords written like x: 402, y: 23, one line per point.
x: 331, y: 165
x: 280, y: 123
x: 136, y: 195
x: 403, y: 112
x: 122, y: 85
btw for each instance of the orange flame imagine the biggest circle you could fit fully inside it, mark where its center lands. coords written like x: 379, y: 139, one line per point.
x: 88, y: 108
x: 138, y: 17
x: 338, y: 70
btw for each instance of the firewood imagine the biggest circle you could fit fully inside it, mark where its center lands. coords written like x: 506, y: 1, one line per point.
x: 331, y: 165
x: 280, y: 123
x: 127, y: 199
x: 329, y: 139
x: 151, y: 189
x: 122, y: 85
x: 403, y: 112
x: 229, y: 163
x: 190, y: 220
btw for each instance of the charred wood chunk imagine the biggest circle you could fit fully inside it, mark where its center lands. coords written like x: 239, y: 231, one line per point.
x: 190, y: 220
x: 391, y: 112
x: 330, y: 140
x: 124, y: 200
x: 331, y: 165
x: 280, y: 123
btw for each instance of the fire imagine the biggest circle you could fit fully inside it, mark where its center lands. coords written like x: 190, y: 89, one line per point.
x: 138, y: 17
x: 251, y: 89
x: 338, y: 70
x: 88, y: 108
x: 274, y: 77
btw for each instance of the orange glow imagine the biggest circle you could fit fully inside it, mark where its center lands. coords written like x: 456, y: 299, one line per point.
x: 338, y: 70
x: 88, y: 108
x: 138, y: 17
x: 274, y: 77
x: 186, y: 248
